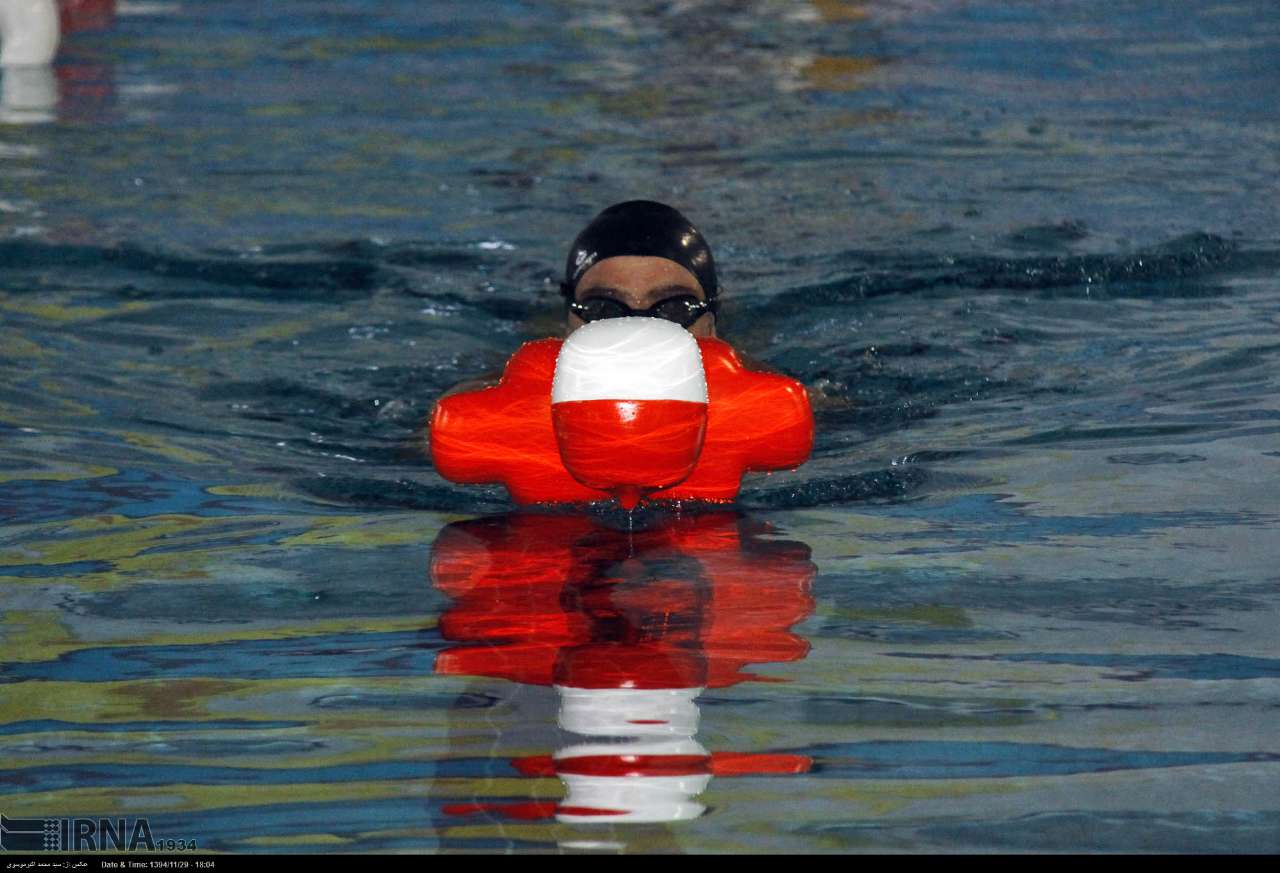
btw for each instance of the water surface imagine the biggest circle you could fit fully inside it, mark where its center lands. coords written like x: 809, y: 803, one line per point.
x: 1023, y: 597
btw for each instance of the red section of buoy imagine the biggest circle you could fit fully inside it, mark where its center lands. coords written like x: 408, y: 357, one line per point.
x: 717, y: 763
x: 630, y: 665
x: 588, y: 810
x: 529, y: 811
x: 635, y: 765
x: 629, y: 448
x: 74, y: 15
x: 775, y: 764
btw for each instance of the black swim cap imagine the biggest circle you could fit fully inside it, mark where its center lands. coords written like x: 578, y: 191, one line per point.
x: 642, y: 228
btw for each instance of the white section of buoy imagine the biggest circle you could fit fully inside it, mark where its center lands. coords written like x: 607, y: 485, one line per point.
x: 28, y: 32
x: 631, y: 799
x: 629, y: 359
x: 28, y: 95
x: 629, y: 712
x: 637, y: 796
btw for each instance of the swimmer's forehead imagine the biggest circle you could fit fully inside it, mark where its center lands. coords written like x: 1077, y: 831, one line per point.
x: 638, y: 274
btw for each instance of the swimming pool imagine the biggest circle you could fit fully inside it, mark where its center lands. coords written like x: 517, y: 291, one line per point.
x: 1022, y: 598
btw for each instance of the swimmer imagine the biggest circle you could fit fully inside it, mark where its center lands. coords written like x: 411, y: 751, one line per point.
x: 641, y: 258
x: 644, y: 258
x: 637, y: 258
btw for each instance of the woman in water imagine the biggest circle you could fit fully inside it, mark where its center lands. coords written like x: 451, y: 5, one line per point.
x: 638, y: 258
x: 641, y: 258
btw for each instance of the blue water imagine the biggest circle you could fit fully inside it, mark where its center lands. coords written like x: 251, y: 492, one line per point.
x: 1022, y: 598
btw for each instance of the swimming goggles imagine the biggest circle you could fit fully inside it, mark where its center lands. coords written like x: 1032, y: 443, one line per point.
x: 684, y: 310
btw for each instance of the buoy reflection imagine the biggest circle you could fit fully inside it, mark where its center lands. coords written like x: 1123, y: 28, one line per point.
x: 629, y: 628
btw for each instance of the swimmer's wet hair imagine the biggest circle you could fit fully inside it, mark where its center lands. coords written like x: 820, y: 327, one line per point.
x: 643, y: 228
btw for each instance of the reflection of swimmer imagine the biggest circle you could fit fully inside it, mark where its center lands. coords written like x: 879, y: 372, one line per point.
x: 86, y: 14
x: 629, y: 629
x: 638, y: 258
x: 689, y: 421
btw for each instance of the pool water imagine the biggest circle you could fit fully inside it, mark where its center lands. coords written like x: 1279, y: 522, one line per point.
x: 1023, y: 597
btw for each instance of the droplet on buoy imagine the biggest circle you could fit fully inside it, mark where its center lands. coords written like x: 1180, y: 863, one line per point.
x: 628, y: 496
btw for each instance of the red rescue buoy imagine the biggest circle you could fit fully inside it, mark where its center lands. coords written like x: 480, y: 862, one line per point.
x: 636, y: 409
